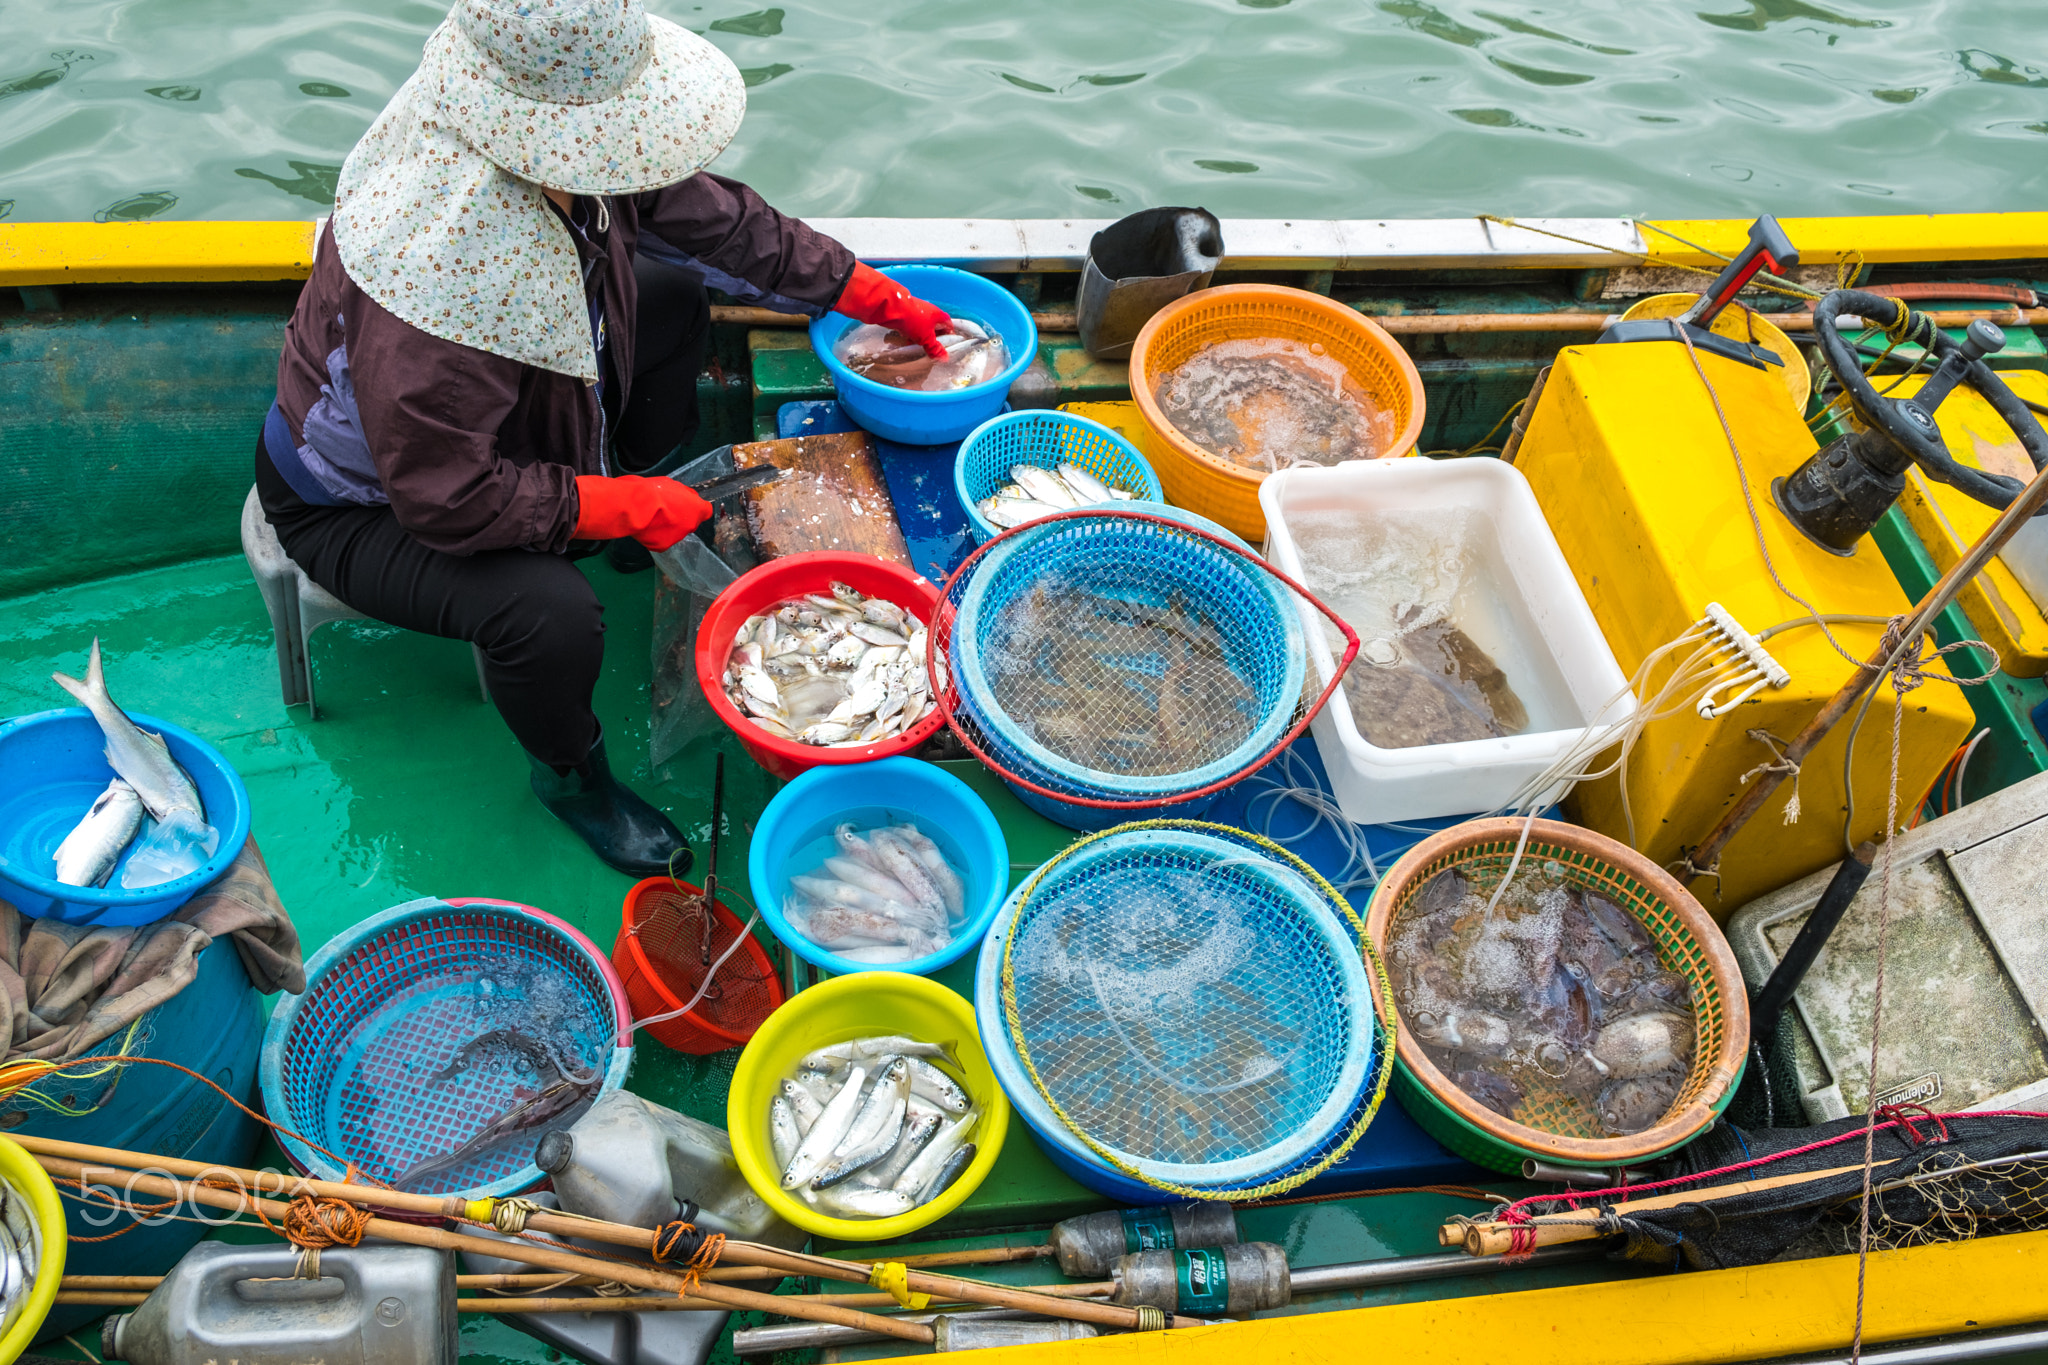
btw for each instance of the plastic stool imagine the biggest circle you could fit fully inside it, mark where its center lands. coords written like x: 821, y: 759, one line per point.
x: 298, y: 606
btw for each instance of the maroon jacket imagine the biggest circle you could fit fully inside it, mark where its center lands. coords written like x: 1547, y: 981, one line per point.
x: 478, y: 452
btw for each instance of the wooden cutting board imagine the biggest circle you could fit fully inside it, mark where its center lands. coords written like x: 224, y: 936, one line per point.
x: 833, y: 498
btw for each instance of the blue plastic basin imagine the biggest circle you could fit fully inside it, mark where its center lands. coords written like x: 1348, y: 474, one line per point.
x: 795, y: 836
x: 56, y: 766
x: 923, y: 419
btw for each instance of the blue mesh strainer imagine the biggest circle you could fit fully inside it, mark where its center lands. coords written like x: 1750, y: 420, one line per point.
x: 434, y: 1024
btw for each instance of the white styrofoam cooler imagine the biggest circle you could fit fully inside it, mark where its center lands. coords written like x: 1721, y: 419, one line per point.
x: 1377, y: 786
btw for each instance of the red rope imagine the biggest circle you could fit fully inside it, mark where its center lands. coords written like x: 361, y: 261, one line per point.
x: 1518, y: 1211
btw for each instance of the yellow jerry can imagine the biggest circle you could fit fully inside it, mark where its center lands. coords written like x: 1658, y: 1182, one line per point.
x: 1948, y: 522
x: 1630, y: 461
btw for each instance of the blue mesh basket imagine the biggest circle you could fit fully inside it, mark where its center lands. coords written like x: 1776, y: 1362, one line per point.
x: 1188, y: 1006
x: 360, y: 1062
x: 1045, y: 438
x: 1142, y: 566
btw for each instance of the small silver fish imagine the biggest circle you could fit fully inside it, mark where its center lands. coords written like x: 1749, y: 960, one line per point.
x: 804, y: 1107
x: 950, y: 1139
x: 860, y: 1201
x: 783, y: 1135
x: 927, y: 1082
x: 1045, y: 486
x: 94, y: 845
x: 1086, y: 487
x: 1010, y: 512
x: 875, y: 1129
x: 142, y: 759
x: 827, y: 1133
x: 920, y: 1124
x: 948, y: 1173
x: 833, y: 1055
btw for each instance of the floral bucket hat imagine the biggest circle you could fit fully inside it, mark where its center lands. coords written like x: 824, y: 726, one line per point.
x: 438, y: 213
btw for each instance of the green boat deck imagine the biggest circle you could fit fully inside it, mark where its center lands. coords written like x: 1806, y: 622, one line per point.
x: 409, y: 785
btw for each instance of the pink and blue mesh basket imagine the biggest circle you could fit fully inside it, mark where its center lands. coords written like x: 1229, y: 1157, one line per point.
x: 360, y: 1062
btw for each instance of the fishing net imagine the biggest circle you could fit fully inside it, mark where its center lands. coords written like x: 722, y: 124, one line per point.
x: 1124, y: 660
x: 1935, y: 1178
x: 1198, y: 1007
x: 697, y: 979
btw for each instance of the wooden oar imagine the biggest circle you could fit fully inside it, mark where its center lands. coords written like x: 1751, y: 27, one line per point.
x: 639, y: 1240
x: 1578, y: 1225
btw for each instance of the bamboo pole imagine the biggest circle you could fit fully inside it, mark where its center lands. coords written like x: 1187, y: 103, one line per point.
x: 618, y: 1234
x: 1446, y: 324
x: 710, y: 1296
x: 1579, y: 1225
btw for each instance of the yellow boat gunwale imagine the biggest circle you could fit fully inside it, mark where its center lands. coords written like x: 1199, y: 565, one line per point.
x: 242, y: 252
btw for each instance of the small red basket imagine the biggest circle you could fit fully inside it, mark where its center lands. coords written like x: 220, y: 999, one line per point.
x: 660, y: 957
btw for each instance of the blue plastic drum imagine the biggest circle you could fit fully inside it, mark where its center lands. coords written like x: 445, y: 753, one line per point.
x: 926, y: 419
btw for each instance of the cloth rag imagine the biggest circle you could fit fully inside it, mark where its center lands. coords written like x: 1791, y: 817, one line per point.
x: 66, y: 987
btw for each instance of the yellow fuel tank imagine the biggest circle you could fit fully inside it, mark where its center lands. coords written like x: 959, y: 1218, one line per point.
x: 1948, y: 521
x: 1633, y: 470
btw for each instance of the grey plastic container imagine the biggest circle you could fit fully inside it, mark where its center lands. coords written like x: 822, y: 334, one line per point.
x: 1089, y: 1245
x: 1136, y: 266
x: 630, y: 1161
x: 1202, y: 1282
x: 1965, y: 938
x: 371, y: 1305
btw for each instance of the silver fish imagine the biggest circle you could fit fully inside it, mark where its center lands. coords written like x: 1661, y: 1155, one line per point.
x: 936, y: 1154
x: 920, y: 1124
x: 877, y: 635
x: 875, y: 1129
x: 825, y: 732
x: 91, y: 849
x: 783, y: 1135
x: 881, y: 612
x: 846, y: 596
x: 927, y: 1082
x: 1045, y: 486
x: 1085, y: 486
x: 861, y: 1049
x: 804, y: 1107
x: 827, y: 1133
x: 1009, y: 512
x: 860, y: 1201
x: 948, y: 1173
x: 142, y: 759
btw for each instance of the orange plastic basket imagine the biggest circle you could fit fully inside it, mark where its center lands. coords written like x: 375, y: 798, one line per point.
x: 661, y: 954
x: 1216, y: 488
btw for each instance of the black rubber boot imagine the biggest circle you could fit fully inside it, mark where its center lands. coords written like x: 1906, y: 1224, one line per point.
x: 628, y: 555
x: 619, y: 826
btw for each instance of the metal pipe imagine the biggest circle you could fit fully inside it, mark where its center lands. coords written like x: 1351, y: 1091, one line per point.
x: 1585, y: 1177
x: 810, y: 1336
x: 1324, y: 1279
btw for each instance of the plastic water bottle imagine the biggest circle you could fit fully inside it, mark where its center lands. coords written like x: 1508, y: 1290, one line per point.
x: 1089, y: 1245
x: 381, y: 1305
x: 1204, y: 1282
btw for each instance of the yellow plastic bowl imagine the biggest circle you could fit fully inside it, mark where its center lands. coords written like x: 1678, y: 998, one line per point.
x: 22, y: 1172
x: 1222, y: 490
x: 1737, y: 323
x: 832, y: 1012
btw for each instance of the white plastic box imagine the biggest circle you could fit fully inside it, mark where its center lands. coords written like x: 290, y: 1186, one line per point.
x: 1536, y: 594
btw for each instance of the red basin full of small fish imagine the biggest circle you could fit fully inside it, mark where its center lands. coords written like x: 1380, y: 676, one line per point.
x: 777, y: 581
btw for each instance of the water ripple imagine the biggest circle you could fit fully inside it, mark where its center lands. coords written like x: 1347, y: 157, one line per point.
x: 238, y: 109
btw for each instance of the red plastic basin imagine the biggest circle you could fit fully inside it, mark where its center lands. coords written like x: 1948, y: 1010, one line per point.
x: 777, y: 581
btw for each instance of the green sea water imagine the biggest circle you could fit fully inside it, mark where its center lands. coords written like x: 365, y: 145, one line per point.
x: 132, y: 109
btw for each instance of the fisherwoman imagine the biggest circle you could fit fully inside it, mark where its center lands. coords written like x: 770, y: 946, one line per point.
x: 497, y: 353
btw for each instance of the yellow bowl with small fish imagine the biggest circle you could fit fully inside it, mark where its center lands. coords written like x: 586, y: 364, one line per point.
x: 835, y: 1011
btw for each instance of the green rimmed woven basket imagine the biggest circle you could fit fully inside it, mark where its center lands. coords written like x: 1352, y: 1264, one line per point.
x: 1688, y: 942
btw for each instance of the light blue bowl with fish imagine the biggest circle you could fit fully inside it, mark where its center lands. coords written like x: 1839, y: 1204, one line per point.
x: 56, y: 767
x: 798, y: 857
x: 929, y: 419
x: 437, y: 1041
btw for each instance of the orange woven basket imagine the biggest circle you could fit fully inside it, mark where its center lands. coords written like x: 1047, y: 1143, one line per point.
x: 1216, y: 488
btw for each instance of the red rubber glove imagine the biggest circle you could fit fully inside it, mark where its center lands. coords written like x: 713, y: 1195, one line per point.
x: 655, y: 512
x: 871, y: 296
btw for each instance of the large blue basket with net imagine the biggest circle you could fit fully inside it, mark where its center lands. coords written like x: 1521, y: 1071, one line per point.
x: 437, y: 1041
x: 1044, y: 438
x: 1186, y: 1009
x: 1111, y: 661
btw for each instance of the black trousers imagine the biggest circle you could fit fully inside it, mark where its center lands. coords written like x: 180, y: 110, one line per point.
x: 535, y: 616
